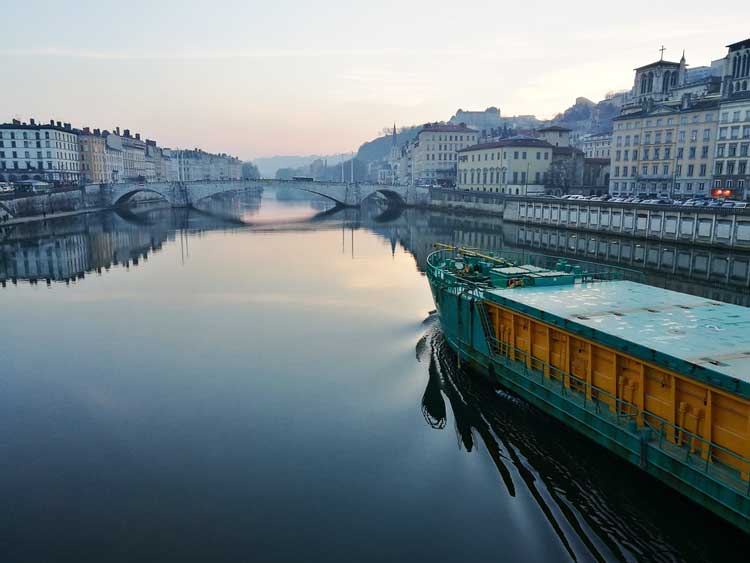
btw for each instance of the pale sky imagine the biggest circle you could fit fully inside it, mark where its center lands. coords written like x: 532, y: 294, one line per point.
x: 300, y: 77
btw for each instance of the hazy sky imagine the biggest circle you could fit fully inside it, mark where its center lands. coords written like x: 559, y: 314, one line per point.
x: 300, y: 77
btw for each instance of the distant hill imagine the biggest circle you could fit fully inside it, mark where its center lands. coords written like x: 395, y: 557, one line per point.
x: 588, y: 115
x: 380, y: 148
x: 269, y: 165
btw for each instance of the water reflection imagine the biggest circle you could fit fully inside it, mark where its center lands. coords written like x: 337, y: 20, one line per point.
x: 282, y: 411
x: 599, y: 508
x: 66, y: 249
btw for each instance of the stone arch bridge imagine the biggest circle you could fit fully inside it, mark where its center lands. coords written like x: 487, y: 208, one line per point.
x: 180, y: 194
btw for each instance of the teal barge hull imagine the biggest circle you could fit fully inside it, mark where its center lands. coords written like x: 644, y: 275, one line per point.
x: 692, y: 458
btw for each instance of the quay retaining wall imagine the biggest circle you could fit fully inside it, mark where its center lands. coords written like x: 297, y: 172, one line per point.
x: 715, y: 227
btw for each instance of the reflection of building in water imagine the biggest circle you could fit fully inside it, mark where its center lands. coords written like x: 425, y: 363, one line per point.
x: 69, y: 256
x: 715, y: 274
x: 65, y: 249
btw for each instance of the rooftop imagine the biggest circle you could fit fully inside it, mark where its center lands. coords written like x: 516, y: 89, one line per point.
x: 554, y: 128
x: 510, y: 142
x: 657, y: 63
x: 690, y: 332
x: 445, y: 128
x: 739, y: 45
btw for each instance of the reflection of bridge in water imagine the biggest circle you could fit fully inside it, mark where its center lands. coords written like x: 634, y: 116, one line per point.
x: 66, y: 249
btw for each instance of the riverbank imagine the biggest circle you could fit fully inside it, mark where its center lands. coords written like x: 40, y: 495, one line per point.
x: 44, y: 217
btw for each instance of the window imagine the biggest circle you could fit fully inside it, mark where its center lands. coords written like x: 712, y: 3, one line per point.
x: 515, y: 155
x: 719, y: 168
x: 704, y: 152
x: 681, y: 137
x: 706, y: 134
x: 656, y: 153
x: 665, y: 169
x: 635, y: 154
x: 667, y: 152
x: 690, y: 170
x: 691, y: 153
x: 668, y: 137
x: 720, y: 150
x: 702, y: 170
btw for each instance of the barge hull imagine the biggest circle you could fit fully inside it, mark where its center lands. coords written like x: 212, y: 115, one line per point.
x: 710, y: 475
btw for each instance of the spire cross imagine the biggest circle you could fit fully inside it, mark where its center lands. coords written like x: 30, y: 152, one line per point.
x: 662, y: 52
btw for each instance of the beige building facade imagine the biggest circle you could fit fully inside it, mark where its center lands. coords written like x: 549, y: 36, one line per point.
x: 732, y: 162
x: 665, y: 152
x: 515, y: 166
x: 435, y: 154
x: 93, y: 146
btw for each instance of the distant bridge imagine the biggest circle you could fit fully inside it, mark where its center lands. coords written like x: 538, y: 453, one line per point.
x: 345, y: 194
x: 180, y: 194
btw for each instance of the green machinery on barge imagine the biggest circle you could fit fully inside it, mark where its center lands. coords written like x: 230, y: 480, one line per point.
x: 660, y: 378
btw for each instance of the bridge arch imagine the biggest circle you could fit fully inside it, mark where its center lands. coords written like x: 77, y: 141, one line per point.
x: 392, y: 196
x: 125, y: 197
x: 331, y: 198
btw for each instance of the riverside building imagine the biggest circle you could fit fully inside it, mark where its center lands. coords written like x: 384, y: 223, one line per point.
x: 435, y: 154
x: 93, y: 147
x: 663, y: 141
x: 44, y: 152
x: 732, y: 161
x: 516, y: 166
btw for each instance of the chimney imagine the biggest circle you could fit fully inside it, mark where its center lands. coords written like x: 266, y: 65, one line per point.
x: 97, y: 132
x: 117, y: 131
x: 138, y: 136
x: 31, y: 120
x: 16, y: 122
x: 126, y: 132
x: 87, y: 130
x: 66, y: 125
x: 52, y: 122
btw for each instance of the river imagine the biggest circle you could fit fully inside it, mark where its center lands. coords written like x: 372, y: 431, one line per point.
x: 262, y: 380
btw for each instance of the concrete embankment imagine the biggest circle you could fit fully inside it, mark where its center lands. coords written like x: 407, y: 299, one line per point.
x: 698, y: 226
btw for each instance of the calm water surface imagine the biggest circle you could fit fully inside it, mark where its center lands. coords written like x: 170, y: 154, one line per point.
x: 186, y: 388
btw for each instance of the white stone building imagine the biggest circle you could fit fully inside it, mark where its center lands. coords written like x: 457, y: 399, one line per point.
x: 597, y: 145
x: 32, y: 151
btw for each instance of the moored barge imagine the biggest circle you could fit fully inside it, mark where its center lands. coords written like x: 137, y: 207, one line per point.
x: 660, y: 378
